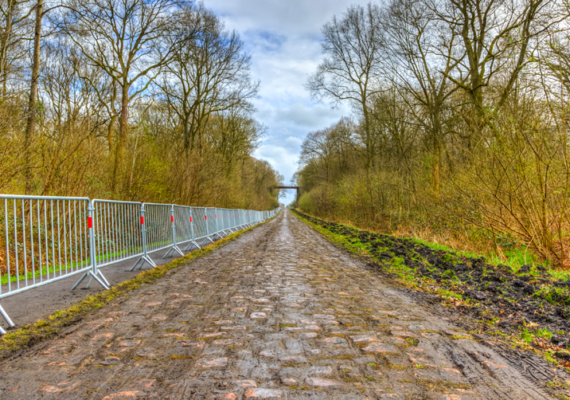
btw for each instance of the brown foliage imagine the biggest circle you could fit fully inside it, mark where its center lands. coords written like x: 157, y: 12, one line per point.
x: 106, y: 124
x: 470, y: 129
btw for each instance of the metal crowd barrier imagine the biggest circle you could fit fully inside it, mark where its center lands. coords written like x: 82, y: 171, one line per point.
x: 44, y: 239
x: 117, y: 231
x: 200, y: 223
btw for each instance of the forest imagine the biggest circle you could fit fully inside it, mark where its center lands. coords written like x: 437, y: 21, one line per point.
x: 460, y: 125
x: 131, y: 100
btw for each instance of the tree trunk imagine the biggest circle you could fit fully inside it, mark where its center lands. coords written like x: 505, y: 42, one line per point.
x: 186, y: 137
x: 110, y: 133
x: 436, y: 164
x: 122, y: 135
x: 4, y: 48
x: 368, y: 138
x: 369, y: 157
x: 436, y: 167
x: 31, y: 124
x: 124, y: 116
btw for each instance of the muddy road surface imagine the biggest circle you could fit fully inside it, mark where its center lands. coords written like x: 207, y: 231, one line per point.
x: 278, y: 313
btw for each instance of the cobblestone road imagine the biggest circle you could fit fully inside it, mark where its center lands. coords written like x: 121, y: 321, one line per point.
x: 277, y: 313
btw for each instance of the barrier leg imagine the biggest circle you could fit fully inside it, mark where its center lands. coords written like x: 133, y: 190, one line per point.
x: 103, y: 278
x: 90, y: 273
x: 174, y: 246
x: 175, y: 249
x: 142, y: 260
x: 80, y: 280
x: 8, y: 320
x: 99, y: 280
x: 137, y: 263
x: 190, y: 245
x: 93, y: 271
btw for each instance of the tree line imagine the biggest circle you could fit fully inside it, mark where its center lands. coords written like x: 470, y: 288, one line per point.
x: 460, y: 124
x: 128, y: 99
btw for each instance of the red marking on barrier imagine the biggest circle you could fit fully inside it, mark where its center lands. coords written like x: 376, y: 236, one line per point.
x: 216, y: 216
x: 172, y: 218
x: 142, y: 220
x: 190, y: 218
x: 206, y: 217
x: 90, y: 222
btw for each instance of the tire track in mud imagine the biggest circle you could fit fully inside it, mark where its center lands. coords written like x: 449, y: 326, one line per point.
x: 277, y: 313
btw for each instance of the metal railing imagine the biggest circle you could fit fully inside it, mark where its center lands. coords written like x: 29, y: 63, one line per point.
x: 45, y: 239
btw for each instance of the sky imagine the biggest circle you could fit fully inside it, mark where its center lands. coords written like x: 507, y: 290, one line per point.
x: 283, y: 38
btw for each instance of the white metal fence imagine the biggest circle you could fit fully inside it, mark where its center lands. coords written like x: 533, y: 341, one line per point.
x: 46, y: 239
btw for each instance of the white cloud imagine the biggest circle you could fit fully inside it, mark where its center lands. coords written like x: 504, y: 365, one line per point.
x: 301, y: 115
x: 281, y: 159
x: 293, y: 141
x: 300, y: 16
x: 283, y: 38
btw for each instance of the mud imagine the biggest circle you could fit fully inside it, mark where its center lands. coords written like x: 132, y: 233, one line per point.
x: 277, y: 313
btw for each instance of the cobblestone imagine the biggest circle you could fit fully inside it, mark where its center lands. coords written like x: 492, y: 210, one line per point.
x: 279, y: 313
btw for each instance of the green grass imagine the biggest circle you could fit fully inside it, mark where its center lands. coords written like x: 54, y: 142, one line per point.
x: 61, y: 268
x: 515, y: 258
x: 409, y: 277
x: 449, y: 293
x: 44, y: 271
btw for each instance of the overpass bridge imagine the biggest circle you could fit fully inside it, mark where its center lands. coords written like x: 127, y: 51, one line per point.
x: 289, y: 187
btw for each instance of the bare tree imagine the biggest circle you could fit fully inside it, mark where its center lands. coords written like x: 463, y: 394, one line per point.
x: 238, y: 135
x: 499, y: 38
x: 209, y: 73
x: 33, y: 98
x: 71, y: 116
x: 352, y: 68
x: 424, y: 53
x: 127, y: 39
x: 13, y: 25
